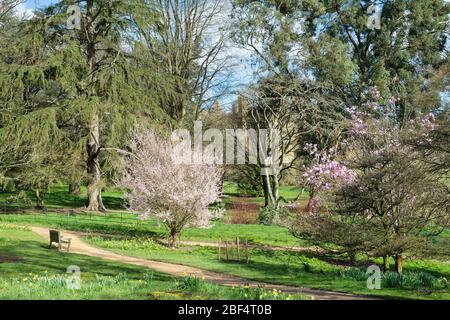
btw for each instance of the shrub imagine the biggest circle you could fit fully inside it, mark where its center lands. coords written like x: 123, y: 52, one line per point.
x: 405, y: 280
x: 21, y: 197
x: 272, y: 215
x: 266, y: 215
x: 190, y: 283
x: 251, y: 188
x: 353, y: 273
x: 7, y: 184
x: 413, y: 280
x: 243, y: 213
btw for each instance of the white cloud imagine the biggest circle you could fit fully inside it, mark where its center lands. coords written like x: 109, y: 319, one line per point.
x: 239, y: 70
x: 24, y: 12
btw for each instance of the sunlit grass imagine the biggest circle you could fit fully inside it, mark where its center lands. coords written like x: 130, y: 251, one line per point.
x: 281, y: 267
x: 30, y: 270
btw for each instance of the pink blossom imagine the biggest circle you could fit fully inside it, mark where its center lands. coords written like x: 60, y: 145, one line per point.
x: 310, y: 148
x: 375, y: 93
x: 393, y: 100
x: 428, y: 122
x: 359, y: 125
x: 373, y: 106
x: 324, y: 172
x: 161, y: 186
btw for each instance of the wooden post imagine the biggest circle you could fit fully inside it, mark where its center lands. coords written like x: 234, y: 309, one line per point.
x: 247, y: 256
x: 226, y: 249
x: 238, y: 253
x: 231, y: 250
x: 219, y: 244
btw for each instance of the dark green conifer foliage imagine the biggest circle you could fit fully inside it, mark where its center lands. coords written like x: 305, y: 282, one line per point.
x: 407, y: 57
x: 330, y: 41
x: 70, y: 98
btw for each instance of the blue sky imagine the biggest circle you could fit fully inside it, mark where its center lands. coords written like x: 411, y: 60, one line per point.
x: 33, y: 4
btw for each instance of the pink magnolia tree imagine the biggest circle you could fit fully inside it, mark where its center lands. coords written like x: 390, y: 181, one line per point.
x: 323, y: 172
x: 159, y: 184
x: 379, y: 195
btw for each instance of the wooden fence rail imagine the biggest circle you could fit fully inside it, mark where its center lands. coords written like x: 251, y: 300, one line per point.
x: 235, y: 250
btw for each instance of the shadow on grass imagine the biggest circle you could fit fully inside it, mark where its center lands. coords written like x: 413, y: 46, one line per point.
x: 58, y: 196
x: 38, y: 258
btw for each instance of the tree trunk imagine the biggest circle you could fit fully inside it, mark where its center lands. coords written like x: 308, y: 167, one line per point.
x: 39, y: 200
x: 94, y: 189
x: 74, y: 188
x: 311, y: 202
x: 398, y: 263
x: 276, y: 190
x: 386, y: 265
x: 173, y: 238
x: 266, y: 193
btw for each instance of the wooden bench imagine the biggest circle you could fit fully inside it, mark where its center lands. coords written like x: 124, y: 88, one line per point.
x: 56, y: 237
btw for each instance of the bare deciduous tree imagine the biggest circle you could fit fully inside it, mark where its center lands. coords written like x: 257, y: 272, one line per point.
x: 294, y: 108
x: 184, y: 40
x: 7, y: 7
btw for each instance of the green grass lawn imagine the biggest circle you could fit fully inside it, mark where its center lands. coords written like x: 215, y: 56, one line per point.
x: 130, y: 225
x: 276, y: 267
x: 289, y: 193
x: 127, y: 224
x: 29, y: 270
x: 269, y: 266
x: 58, y: 197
